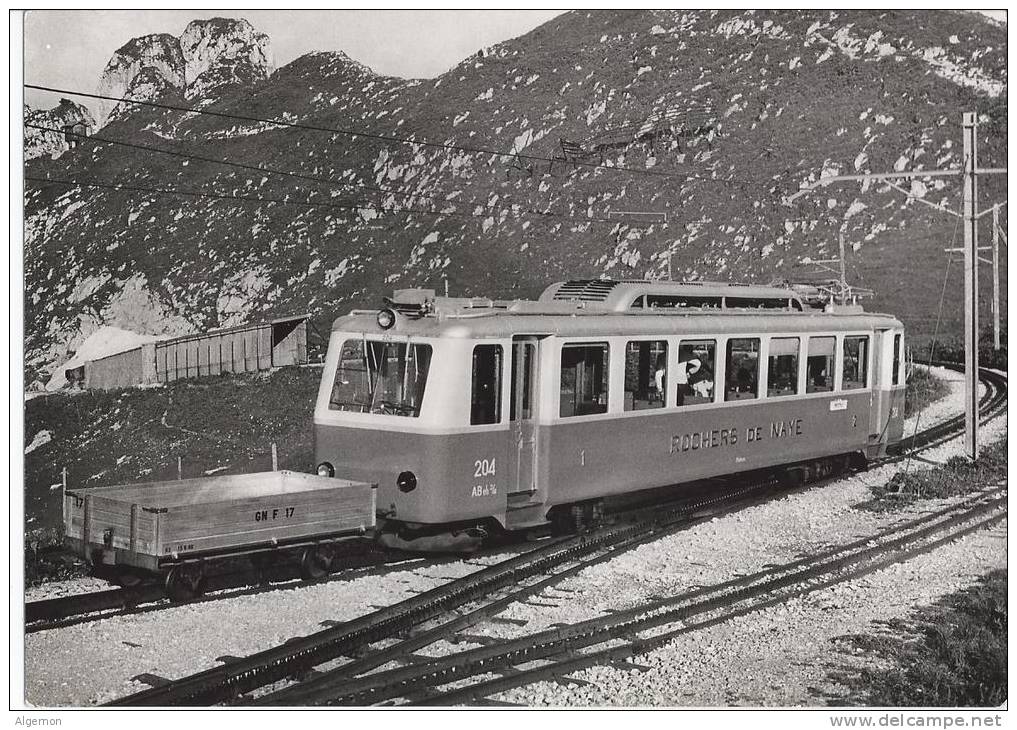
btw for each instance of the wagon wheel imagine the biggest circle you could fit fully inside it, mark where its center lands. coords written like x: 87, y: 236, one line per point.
x: 315, y: 563
x: 184, y: 583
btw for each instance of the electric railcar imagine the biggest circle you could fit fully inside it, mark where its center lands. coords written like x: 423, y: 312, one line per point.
x: 464, y: 411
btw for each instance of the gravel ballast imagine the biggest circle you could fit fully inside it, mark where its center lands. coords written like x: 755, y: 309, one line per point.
x: 780, y: 656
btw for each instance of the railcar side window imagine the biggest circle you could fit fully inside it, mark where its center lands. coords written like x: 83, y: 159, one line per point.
x: 782, y: 374
x: 742, y: 378
x: 524, y: 355
x: 896, y: 359
x: 819, y: 369
x: 645, y: 375
x: 381, y: 377
x: 694, y: 375
x: 485, y: 401
x: 583, y: 379
x: 856, y: 360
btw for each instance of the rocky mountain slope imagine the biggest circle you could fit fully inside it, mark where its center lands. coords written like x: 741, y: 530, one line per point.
x: 779, y: 98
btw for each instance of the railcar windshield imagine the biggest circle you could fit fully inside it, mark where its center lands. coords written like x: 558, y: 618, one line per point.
x: 381, y: 377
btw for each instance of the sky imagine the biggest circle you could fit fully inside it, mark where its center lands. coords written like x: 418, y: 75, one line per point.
x: 69, y: 49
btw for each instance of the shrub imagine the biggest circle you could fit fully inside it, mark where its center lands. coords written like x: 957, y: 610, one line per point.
x: 923, y: 389
x: 957, y: 476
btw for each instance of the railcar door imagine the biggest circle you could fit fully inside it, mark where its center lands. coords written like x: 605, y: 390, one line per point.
x: 879, y: 404
x: 523, y: 415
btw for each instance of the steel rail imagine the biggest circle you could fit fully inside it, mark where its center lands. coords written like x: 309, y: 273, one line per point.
x: 48, y: 612
x: 337, y: 689
x: 562, y: 650
x: 53, y: 613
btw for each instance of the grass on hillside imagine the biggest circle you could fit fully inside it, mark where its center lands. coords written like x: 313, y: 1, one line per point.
x: 951, y: 654
x: 923, y: 389
x: 958, y: 476
x: 224, y: 425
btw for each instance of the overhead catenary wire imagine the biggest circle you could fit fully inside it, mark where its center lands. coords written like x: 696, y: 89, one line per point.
x: 201, y: 158
x: 470, y: 149
x: 514, y: 208
x: 347, y: 207
x: 354, y: 133
x: 309, y: 178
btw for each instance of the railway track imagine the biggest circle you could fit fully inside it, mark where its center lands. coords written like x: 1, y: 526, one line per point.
x: 638, y: 635
x: 617, y: 637
x: 53, y: 613
x: 58, y: 612
x: 990, y: 405
x: 448, y: 627
x: 426, y: 617
x: 482, y: 593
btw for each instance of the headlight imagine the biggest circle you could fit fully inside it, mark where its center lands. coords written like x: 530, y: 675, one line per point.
x: 386, y: 318
x: 326, y: 470
x: 406, y: 481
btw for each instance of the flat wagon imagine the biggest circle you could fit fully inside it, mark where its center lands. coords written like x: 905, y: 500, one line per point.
x: 175, y: 528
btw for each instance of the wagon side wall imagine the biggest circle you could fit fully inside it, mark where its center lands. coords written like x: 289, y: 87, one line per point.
x: 221, y: 526
x: 90, y: 518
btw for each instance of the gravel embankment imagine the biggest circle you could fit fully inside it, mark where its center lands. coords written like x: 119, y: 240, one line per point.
x: 782, y: 656
x: 776, y: 657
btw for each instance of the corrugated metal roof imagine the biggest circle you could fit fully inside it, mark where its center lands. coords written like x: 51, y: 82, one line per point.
x: 232, y: 330
x: 618, y: 295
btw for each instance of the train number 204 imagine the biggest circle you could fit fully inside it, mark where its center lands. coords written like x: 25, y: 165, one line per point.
x: 483, y: 468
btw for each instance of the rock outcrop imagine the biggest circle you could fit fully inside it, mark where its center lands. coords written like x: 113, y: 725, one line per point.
x: 223, y: 51
x: 40, y: 142
x: 156, y: 55
x: 209, y: 56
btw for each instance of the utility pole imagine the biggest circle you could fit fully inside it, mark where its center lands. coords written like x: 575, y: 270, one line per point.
x: 968, y: 173
x: 843, y: 270
x: 995, y: 277
x: 970, y: 125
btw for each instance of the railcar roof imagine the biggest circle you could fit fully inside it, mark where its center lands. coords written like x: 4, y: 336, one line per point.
x: 604, y: 307
x: 605, y: 324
